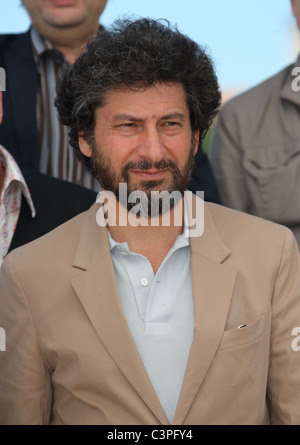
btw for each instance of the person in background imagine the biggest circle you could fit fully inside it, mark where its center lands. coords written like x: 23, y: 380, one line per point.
x: 33, y: 62
x: 255, y: 150
x: 32, y: 204
x: 145, y: 311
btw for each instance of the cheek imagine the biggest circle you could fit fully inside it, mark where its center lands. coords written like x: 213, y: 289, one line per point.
x: 180, y: 149
x: 116, y: 151
x: 122, y: 149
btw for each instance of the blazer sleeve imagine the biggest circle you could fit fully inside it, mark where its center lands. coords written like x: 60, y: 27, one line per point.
x: 225, y: 156
x: 283, y: 392
x: 25, y: 387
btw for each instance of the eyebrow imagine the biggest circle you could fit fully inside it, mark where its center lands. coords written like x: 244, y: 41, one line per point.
x: 126, y: 117
x: 131, y: 118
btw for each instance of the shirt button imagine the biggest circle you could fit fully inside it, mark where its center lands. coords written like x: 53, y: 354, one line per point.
x: 144, y: 282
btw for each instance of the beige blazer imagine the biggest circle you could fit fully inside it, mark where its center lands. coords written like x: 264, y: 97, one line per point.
x: 255, y: 151
x: 70, y: 358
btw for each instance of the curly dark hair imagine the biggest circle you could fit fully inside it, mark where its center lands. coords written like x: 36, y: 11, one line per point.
x: 135, y: 54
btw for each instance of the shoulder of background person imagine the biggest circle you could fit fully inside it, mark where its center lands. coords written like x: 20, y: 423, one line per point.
x: 57, y: 190
x: 55, y: 200
x: 272, y: 85
x: 9, y: 41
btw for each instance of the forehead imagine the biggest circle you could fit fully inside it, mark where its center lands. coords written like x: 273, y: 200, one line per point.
x: 157, y: 98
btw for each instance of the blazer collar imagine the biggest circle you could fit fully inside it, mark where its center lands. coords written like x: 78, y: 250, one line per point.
x: 94, y: 244
x: 213, y: 283
x: 209, y: 244
x: 93, y: 241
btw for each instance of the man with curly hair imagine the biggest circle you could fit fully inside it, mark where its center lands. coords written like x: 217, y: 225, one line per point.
x: 152, y: 307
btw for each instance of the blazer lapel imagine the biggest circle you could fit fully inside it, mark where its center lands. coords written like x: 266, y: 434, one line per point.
x: 213, y: 284
x: 96, y: 287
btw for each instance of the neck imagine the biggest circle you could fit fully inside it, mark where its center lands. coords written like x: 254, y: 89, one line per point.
x: 70, y: 53
x: 70, y: 42
x: 151, y: 237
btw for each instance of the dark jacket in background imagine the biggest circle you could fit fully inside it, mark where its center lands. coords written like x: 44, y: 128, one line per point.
x: 55, y: 202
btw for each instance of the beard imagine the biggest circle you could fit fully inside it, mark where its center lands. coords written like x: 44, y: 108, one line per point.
x: 148, y: 193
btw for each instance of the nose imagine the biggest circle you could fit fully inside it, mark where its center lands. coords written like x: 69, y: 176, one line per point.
x: 151, y: 147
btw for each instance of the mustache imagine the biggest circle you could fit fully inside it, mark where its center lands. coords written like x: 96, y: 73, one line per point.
x: 147, y: 165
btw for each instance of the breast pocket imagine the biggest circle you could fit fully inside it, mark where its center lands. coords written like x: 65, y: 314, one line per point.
x: 243, y: 336
x: 273, y: 180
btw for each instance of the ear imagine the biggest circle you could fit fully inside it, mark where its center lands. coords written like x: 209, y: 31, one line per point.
x: 84, y: 147
x: 196, y: 141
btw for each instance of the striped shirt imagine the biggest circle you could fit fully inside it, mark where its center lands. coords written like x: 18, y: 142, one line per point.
x: 56, y: 155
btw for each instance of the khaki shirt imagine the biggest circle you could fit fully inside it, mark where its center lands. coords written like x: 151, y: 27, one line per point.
x: 255, y: 152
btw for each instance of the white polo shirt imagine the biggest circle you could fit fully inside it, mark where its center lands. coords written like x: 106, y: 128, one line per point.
x: 159, y: 312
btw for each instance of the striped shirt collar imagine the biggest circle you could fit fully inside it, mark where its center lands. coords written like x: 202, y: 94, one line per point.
x: 40, y: 45
x: 44, y: 46
x: 13, y: 174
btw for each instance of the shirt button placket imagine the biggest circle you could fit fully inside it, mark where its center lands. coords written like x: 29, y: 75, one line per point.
x: 144, y: 282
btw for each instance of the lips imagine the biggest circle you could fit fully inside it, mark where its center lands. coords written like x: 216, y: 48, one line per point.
x: 63, y: 2
x: 150, y: 174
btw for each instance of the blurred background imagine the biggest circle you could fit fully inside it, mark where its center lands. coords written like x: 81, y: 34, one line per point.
x: 247, y: 40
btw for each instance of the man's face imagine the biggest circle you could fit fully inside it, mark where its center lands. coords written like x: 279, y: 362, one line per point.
x: 144, y: 139
x: 63, y: 13
x: 296, y: 10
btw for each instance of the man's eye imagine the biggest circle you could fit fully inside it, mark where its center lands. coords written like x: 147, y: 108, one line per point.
x: 171, y: 123
x: 128, y: 124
